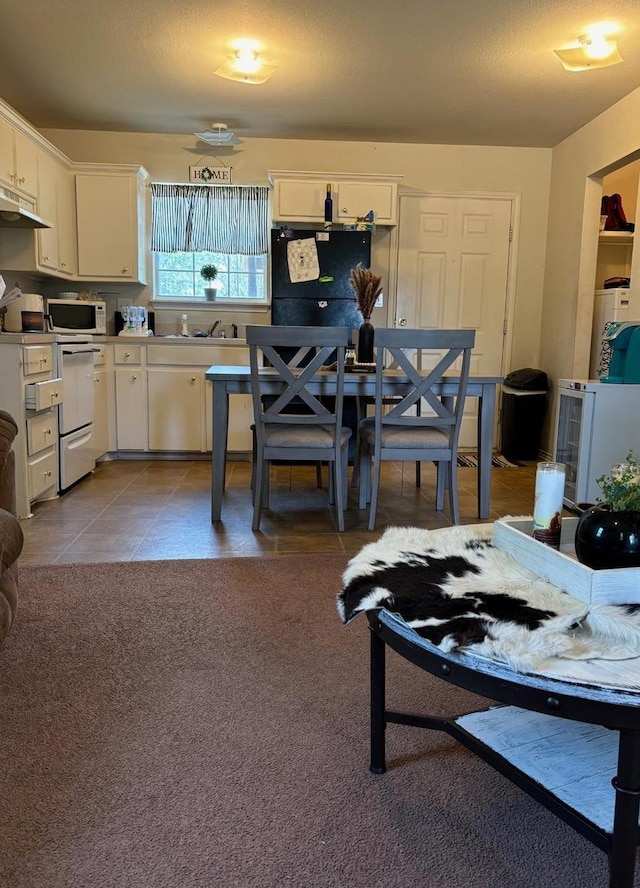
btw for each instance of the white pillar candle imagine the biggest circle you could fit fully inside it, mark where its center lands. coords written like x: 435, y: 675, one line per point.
x: 547, y: 511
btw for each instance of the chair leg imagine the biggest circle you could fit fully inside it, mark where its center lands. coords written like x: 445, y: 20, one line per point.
x: 338, y: 491
x: 375, y: 486
x: 440, y: 482
x: 344, y: 456
x: 364, y: 493
x: 258, y: 492
x: 453, y: 491
x: 418, y: 474
x: 319, y: 475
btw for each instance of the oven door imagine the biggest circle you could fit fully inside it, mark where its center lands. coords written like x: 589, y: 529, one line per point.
x: 75, y: 363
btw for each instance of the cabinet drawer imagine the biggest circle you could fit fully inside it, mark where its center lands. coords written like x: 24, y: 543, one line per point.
x: 40, y: 395
x: 42, y: 431
x: 37, y: 359
x: 99, y: 355
x: 127, y: 354
x: 42, y: 472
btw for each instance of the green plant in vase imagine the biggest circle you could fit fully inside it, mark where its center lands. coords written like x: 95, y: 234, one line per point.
x: 608, y: 534
x: 209, y: 273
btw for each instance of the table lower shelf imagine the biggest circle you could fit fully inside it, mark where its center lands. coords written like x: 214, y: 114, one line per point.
x: 574, y: 761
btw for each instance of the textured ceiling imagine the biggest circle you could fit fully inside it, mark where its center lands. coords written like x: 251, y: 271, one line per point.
x: 476, y: 72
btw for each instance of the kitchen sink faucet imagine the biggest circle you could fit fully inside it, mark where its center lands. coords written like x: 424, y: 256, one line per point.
x: 212, y: 328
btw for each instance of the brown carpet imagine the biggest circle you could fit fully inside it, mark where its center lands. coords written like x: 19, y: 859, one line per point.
x: 205, y: 723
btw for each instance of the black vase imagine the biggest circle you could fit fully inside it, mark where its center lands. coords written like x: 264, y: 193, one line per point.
x: 365, y: 343
x: 606, y: 539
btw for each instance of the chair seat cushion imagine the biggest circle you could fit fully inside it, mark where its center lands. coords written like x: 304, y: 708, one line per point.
x: 409, y: 437
x: 303, y: 436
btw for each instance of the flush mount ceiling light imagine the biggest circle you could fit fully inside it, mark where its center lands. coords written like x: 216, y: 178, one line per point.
x: 590, y: 51
x: 217, y: 135
x: 245, y: 66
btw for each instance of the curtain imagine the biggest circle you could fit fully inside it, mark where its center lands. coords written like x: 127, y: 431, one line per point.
x: 210, y: 218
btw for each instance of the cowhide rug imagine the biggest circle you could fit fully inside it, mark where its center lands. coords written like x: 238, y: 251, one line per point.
x: 456, y: 590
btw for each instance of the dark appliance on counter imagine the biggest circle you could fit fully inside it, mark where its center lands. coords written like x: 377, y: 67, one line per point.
x: 310, y: 276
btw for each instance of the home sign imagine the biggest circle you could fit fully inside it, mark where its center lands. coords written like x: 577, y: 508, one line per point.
x: 216, y: 175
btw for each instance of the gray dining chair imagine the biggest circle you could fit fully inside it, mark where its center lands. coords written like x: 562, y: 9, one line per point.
x: 295, y: 357
x: 421, y: 425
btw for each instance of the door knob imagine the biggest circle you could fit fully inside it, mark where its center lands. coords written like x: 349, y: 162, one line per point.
x: 402, y: 322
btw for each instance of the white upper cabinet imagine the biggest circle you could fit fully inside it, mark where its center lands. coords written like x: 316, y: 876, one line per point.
x: 110, y: 207
x: 57, y: 249
x: 300, y: 197
x: 18, y: 160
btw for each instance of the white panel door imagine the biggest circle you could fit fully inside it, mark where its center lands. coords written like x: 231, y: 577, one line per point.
x: 452, y: 272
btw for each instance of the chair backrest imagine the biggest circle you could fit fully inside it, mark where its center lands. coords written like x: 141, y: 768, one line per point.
x: 393, y: 348
x: 306, y: 350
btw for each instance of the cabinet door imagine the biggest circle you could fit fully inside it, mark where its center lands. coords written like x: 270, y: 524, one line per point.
x: 26, y: 164
x: 131, y: 409
x: 175, y: 410
x: 357, y: 198
x: 48, y: 208
x: 101, y: 415
x: 239, y: 434
x: 299, y: 200
x: 67, y: 230
x: 7, y: 171
x: 107, y: 227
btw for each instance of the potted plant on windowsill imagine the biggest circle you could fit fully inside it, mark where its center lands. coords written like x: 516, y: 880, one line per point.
x: 608, y: 534
x: 209, y: 273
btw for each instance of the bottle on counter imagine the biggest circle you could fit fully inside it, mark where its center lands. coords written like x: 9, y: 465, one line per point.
x: 184, y: 329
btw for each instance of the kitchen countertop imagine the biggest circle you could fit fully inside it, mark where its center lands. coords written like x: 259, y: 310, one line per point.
x: 26, y: 338
x: 44, y: 338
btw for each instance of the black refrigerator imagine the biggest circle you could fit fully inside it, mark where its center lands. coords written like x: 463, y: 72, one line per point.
x: 310, y: 276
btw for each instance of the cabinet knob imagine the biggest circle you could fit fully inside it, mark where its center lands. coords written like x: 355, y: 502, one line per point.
x: 12, y: 176
x: 193, y: 379
x: 125, y: 270
x: 21, y: 181
x: 47, y: 431
x: 47, y: 474
x: 45, y: 258
x: 96, y: 379
x: 134, y: 376
x: 127, y: 354
x: 63, y: 265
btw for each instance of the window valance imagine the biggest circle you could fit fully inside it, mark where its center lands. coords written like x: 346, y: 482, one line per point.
x: 210, y: 218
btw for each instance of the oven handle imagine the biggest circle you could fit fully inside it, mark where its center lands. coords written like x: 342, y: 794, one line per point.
x: 79, y: 351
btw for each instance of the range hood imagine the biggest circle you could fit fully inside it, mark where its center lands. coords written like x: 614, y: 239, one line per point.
x: 15, y: 212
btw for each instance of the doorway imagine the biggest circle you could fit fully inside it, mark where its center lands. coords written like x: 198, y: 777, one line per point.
x: 456, y: 268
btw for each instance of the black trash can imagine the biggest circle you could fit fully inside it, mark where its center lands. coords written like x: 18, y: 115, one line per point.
x: 524, y: 405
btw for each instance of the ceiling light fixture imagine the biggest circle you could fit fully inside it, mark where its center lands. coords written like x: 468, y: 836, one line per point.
x: 245, y: 66
x: 217, y: 135
x: 596, y: 51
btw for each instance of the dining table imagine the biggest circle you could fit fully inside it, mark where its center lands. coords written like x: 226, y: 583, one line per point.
x: 234, y: 380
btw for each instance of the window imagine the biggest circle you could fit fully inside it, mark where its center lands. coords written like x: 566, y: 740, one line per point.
x: 196, y: 225
x: 177, y: 276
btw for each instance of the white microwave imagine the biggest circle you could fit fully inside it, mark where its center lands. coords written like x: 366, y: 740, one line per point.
x: 76, y: 316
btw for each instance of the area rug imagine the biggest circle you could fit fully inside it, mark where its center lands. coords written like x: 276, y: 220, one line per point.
x: 188, y: 724
x: 498, y: 461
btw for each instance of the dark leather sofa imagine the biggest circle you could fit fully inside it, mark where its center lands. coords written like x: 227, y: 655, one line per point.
x: 11, y: 539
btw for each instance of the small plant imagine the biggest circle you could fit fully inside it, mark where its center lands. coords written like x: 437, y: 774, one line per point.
x: 621, y: 489
x: 209, y: 273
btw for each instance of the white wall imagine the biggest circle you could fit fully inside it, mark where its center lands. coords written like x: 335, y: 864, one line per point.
x: 424, y: 167
x: 579, y: 164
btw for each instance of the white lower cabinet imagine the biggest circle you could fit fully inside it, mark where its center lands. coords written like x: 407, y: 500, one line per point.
x: 175, y: 409
x: 163, y: 401
x: 131, y: 409
x: 29, y: 394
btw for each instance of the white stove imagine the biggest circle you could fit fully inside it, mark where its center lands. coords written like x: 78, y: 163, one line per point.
x: 73, y: 359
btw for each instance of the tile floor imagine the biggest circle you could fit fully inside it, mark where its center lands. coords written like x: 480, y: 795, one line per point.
x: 141, y: 510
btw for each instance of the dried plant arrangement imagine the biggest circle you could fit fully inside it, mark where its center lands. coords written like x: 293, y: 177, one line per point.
x: 367, y: 288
